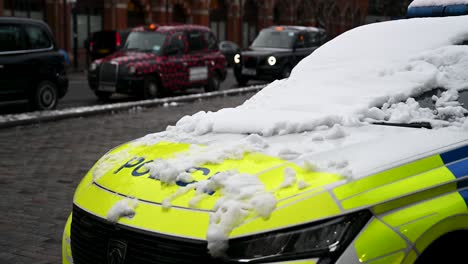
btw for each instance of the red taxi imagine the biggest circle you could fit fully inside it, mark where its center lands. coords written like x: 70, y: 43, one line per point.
x: 158, y: 59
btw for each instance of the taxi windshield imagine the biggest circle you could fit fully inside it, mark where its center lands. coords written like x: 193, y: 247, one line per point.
x: 145, y: 41
x: 274, y: 39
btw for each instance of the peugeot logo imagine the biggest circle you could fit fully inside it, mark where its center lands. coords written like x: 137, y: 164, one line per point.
x: 116, y: 251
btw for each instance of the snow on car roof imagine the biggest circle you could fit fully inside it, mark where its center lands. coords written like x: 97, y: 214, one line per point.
x: 365, y: 67
x: 419, y: 3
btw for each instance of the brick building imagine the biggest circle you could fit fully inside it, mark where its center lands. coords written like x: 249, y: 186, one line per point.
x: 236, y: 20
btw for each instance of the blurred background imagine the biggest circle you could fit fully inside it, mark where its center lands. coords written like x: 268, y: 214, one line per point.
x: 238, y: 21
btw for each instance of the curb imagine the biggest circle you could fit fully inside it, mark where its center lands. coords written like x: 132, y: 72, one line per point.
x: 54, y: 115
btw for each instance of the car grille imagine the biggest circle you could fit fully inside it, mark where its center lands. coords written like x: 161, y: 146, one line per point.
x: 250, y: 62
x: 92, y: 237
x: 108, y: 73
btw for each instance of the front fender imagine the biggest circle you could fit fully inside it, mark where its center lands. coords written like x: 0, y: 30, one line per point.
x: 66, y: 243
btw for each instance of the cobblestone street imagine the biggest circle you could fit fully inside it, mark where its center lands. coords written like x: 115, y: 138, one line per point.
x: 40, y: 166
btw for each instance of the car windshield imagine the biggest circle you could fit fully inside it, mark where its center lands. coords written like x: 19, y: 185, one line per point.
x: 145, y: 41
x: 438, y: 107
x: 274, y: 39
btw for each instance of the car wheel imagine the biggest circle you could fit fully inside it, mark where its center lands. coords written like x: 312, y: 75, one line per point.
x: 103, y: 96
x: 45, y: 96
x: 214, y: 83
x: 151, y: 88
x: 241, y: 80
x: 286, y: 72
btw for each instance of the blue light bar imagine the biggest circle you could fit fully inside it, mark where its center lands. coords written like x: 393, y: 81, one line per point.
x: 437, y: 11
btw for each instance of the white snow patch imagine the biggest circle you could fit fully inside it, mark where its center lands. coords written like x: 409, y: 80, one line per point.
x: 289, y: 178
x: 465, y: 124
x: 243, y: 195
x: 407, y: 112
x: 340, y: 167
x: 288, y: 154
x: 169, y: 170
x: 108, y: 162
x: 123, y: 208
x: 301, y: 184
x: 419, y: 55
x: 420, y: 3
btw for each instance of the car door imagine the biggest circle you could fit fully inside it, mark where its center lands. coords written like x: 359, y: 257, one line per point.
x: 13, y: 52
x: 302, y: 47
x: 174, y: 68
x: 197, y: 63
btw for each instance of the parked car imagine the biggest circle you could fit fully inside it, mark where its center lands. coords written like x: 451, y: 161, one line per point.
x: 360, y: 156
x: 105, y: 42
x: 229, y: 49
x: 159, y: 59
x: 31, y: 66
x: 275, y: 51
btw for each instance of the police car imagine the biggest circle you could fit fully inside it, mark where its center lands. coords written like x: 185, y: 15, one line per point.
x: 275, y: 51
x: 371, y: 167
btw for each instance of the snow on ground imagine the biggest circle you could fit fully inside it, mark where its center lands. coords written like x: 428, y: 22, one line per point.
x: 337, y: 84
x: 418, y: 3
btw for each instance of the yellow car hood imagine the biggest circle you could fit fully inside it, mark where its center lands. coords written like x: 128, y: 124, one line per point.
x: 400, y: 179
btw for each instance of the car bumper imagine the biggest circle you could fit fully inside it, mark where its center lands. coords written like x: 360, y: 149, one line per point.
x: 124, y: 84
x: 266, y: 73
x: 67, y: 255
x: 62, y: 85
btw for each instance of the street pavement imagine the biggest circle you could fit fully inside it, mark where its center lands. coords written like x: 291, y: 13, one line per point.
x: 41, y: 165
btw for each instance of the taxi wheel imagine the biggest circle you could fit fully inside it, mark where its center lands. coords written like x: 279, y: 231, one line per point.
x: 241, y: 80
x: 45, y: 96
x: 214, y: 83
x: 286, y: 72
x: 151, y: 88
x: 103, y: 96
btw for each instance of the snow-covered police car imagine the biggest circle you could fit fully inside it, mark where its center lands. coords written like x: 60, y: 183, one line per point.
x: 370, y: 167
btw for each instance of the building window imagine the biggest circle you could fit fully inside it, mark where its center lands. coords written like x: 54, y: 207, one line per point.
x: 25, y: 8
x: 218, y: 17
x: 249, y: 25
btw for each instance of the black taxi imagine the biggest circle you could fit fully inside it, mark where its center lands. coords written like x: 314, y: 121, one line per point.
x: 158, y: 59
x: 32, y: 68
x: 275, y: 51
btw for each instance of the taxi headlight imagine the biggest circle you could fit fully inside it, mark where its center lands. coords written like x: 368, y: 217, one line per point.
x: 325, y: 239
x: 271, y: 60
x: 237, y: 58
x: 92, y: 67
x: 131, y: 69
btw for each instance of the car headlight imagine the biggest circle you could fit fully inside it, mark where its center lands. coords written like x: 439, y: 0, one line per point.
x: 271, y: 60
x: 237, y: 58
x: 327, y: 239
x: 92, y: 67
x: 131, y: 69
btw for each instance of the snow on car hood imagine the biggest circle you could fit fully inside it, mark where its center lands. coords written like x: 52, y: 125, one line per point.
x: 362, y: 68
